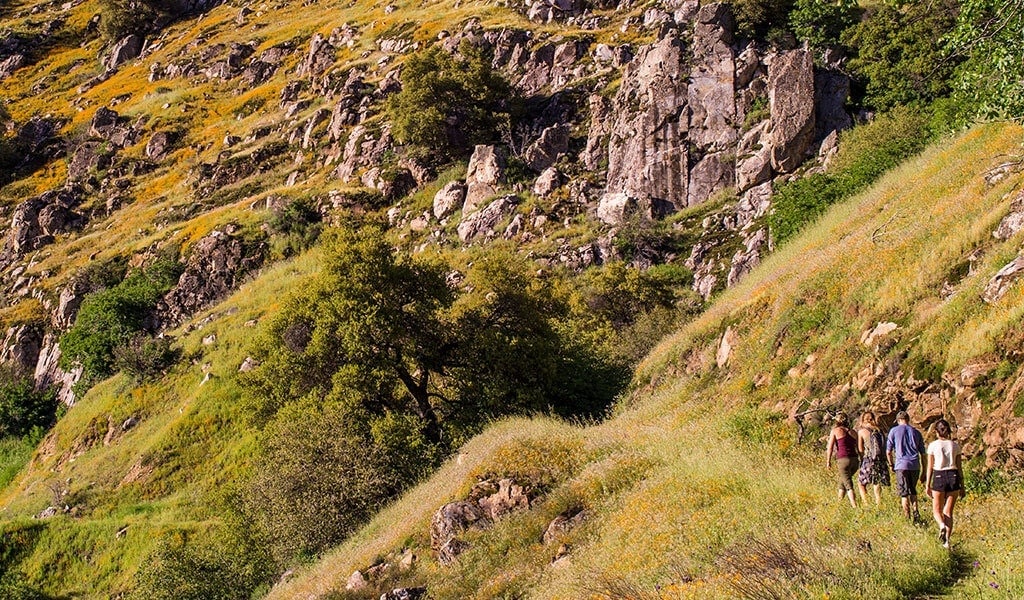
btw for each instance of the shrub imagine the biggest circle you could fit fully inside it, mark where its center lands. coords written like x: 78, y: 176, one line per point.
x: 120, y: 18
x: 295, y: 227
x: 900, y: 55
x: 449, y: 103
x: 186, y: 567
x: 316, y: 482
x: 110, y: 318
x: 143, y: 356
x: 822, y: 22
x: 22, y: 407
x: 990, y: 81
x: 762, y: 19
x: 865, y: 153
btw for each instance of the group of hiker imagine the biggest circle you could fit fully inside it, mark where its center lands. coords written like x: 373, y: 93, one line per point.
x: 868, y: 455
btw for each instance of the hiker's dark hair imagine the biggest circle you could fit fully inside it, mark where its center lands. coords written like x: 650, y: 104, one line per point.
x: 942, y: 428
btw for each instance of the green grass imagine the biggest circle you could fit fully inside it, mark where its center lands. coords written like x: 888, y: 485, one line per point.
x: 720, y: 501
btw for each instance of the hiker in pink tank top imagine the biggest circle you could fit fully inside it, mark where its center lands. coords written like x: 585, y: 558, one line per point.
x: 842, y: 444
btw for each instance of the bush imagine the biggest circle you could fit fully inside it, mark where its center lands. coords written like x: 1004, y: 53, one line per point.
x: 449, y: 103
x: 120, y: 18
x: 865, y: 153
x: 23, y: 408
x: 111, y: 317
x: 822, y: 22
x: 763, y: 20
x: 990, y: 81
x: 317, y: 482
x: 186, y: 567
x: 900, y: 53
x: 143, y: 356
x: 295, y: 227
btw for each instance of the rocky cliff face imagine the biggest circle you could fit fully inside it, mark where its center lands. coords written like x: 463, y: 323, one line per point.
x: 699, y: 115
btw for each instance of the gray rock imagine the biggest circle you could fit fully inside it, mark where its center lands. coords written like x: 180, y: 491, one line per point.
x: 36, y: 221
x: 1013, y: 222
x: 159, y: 143
x: 562, y: 525
x: 449, y: 199
x: 647, y: 158
x: 483, y: 222
x: 548, y: 181
x: 128, y: 48
x: 21, y: 347
x: 49, y: 374
x: 412, y: 593
x: 87, y: 159
x: 484, y: 175
x: 552, y: 144
x: 447, y: 523
x: 216, y: 266
x: 711, y: 92
x: 601, y: 123
x: 321, y: 56
x: 744, y: 261
x: 714, y: 173
x: 1003, y: 279
x: 831, y: 91
x: 11, y: 64
x: 791, y: 100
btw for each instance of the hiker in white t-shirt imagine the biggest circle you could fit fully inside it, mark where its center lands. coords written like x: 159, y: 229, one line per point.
x: 945, y: 482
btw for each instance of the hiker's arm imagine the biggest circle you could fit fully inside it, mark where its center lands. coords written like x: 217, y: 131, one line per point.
x: 828, y: 449
x: 960, y: 473
x: 930, y: 475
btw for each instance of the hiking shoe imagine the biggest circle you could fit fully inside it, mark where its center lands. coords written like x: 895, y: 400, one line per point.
x: 943, y: 537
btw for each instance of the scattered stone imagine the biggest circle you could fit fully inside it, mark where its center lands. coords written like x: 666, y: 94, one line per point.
x: 248, y: 364
x: 1001, y: 282
x: 485, y: 173
x: 356, y: 582
x: 871, y: 336
x: 413, y: 593
x: 128, y: 48
x: 725, y: 347
x: 449, y: 199
x: 1013, y: 222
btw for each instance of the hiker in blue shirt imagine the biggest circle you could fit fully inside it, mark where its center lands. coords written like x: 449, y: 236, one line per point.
x: 905, y: 447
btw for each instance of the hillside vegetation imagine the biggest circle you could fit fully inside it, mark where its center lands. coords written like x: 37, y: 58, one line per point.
x: 696, y: 487
x: 279, y: 281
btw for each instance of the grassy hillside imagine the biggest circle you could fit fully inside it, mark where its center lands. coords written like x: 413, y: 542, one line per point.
x: 696, y: 487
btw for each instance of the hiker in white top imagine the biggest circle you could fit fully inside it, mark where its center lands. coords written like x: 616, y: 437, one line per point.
x: 945, y: 479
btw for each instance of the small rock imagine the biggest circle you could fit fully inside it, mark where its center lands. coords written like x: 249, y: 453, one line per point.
x: 248, y: 364
x: 356, y: 582
x: 210, y: 339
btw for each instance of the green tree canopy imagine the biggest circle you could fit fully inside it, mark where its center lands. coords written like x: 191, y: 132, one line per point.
x: 449, y: 103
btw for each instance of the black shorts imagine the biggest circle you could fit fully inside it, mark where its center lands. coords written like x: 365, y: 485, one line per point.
x: 946, y: 481
x: 906, y: 482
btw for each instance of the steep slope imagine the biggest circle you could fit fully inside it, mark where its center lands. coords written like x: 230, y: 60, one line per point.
x: 698, y: 487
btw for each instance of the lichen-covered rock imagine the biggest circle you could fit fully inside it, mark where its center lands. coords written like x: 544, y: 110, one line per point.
x: 37, y: 220
x: 447, y: 523
x: 647, y: 157
x: 548, y: 181
x: 410, y: 593
x: 1013, y: 222
x: 449, y: 199
x: 21, y: 347
x: 216, y: 266
x: 1003, y: 279
x: 552, y: 144
x: 484, y: 175
x: 321, y: 56
x: 791, y: 102
x: 128, y: 48
x: 484, y: 222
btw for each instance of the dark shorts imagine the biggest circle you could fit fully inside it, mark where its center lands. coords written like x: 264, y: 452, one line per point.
x: 846, y: 467
x: 946, y: 481
x: 906, y: 482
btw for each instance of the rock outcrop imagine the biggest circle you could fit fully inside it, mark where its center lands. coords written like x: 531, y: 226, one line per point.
x: 488, y: 501
x: 217, y: 264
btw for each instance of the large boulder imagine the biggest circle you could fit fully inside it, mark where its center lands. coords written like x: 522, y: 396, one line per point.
x: 37, y: 220
x: 1003, y: 279
x: 128, y: 48
x: 791, y: 102
x: 484, y: 222
x: 21, y: 347
x: 449, y: 199
x: 552, y: 144
x: 486, y: 172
